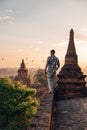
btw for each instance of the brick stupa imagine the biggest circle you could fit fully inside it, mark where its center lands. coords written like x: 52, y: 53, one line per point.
x: 71, y: 81
x: 23, y: 76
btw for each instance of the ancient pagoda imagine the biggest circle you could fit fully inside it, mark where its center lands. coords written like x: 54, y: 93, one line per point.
x: 23, y: 76
x: 71, y: 81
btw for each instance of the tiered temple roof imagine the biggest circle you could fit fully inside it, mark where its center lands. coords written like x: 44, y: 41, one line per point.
x: 23, y: 76
x: 71, y: 79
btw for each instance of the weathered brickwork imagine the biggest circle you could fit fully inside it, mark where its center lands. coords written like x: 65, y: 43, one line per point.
x: 70, y: 114
x: 42, y: 119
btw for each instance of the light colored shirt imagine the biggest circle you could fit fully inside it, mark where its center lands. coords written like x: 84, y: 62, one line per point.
x: 52, y: 64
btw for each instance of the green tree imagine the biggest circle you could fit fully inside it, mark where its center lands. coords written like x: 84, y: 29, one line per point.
x: 17, y: 105
x: 41, y: 78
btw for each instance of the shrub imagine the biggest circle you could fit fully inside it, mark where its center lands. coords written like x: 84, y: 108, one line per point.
x: 17, y: 105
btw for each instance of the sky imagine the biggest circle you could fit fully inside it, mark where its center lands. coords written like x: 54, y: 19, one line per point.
x: 29, y: 29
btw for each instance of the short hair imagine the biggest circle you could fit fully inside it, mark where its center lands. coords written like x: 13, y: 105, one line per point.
x: 52, y: 51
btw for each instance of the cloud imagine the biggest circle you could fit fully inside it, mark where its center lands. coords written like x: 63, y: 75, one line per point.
x: 60, y: 44
x: 83, y: 30
x: 81, y: 43
x: 40, y: 42
x: 81, y: 36
x: 37, y: 49
x: 9, y: 10
x: 20, y: 51
x: 11, y: 22
x: 7, y: 18
x: 3, y: 18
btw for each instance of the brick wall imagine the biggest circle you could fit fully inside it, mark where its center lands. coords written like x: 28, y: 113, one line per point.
x: 42, y: 119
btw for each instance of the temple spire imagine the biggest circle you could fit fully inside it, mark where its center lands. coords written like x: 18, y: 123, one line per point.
x: 71, y: 47
x: 23, y: 76
x: 71, y: 38
x: 22, y: 64
x: 71, y: 80
x: 71, y: 57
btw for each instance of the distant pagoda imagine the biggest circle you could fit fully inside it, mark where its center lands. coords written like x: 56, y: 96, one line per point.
x: 23, y: 76
x: 71, y: 79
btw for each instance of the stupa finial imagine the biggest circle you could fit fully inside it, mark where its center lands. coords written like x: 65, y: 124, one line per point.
x: 71, y: 38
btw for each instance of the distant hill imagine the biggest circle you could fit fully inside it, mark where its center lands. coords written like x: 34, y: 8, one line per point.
x: 8, y: 72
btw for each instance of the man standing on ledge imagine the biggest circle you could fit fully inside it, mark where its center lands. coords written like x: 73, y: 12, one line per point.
x: 51, y: 67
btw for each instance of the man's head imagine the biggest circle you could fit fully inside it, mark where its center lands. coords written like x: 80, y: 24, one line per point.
x: 52, y: 52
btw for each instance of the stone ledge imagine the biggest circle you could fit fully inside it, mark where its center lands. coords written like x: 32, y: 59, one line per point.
x: 42, y: 119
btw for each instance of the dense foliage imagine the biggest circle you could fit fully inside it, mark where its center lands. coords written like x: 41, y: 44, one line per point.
x: 17, y: 105
x: 41, y: 78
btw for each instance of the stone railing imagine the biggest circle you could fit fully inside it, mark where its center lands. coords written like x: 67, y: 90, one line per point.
x: 42, y: 119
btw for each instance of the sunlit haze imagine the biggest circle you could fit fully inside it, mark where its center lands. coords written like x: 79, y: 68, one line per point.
x: 30, y: 28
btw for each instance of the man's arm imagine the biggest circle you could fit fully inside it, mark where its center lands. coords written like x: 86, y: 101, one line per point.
x: 45, y: 69
x: 58, y: 64
x: 47, y: 63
